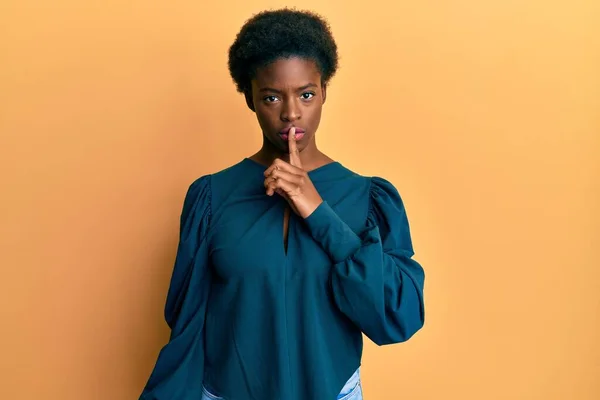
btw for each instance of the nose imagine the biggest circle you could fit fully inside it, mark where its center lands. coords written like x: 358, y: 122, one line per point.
x: 291, y: 110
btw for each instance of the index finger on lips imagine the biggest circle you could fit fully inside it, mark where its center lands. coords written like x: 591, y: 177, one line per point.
x: 293, y: 148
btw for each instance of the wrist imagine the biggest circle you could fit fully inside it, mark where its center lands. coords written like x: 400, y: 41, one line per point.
x: 306, y: 212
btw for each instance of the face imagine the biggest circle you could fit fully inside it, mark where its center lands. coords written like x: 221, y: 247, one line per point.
x: 288, y: 93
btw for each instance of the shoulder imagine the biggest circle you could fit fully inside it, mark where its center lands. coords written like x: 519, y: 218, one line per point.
x: 383, y: 189
x: 374, y: 186
x: 383, y: 196
x: 227, y: 174
x: 242, y: 167
x: 242, y: 178
x: 205, y: 192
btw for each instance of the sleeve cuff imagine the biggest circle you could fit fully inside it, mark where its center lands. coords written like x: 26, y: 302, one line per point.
x: 332, y: 233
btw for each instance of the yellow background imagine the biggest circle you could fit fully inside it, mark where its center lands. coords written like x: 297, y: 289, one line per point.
x: 485, y: 115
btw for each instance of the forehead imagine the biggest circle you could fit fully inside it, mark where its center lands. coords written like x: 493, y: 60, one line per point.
x: 288, y: 72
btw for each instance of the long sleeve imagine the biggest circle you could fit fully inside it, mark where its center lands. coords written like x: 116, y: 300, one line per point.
x: 375, y: 281
x: 178, y: 371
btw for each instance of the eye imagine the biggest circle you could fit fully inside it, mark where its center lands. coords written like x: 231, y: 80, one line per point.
x: 270, y: 99
x: 307, y: 95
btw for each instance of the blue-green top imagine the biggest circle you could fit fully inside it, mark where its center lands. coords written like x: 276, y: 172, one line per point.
x: 253, y: 321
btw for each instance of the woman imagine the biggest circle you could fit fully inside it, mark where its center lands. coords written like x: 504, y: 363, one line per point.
x: 286, y: 257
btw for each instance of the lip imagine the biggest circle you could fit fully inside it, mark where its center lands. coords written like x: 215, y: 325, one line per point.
x: 285, y: 131
x: 285, y: 136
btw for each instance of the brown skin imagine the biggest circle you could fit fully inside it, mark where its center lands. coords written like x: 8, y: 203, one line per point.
x: 289, y: 92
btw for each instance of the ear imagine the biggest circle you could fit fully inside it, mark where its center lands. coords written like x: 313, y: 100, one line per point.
x: 324, y: 91
x: 249, y: 101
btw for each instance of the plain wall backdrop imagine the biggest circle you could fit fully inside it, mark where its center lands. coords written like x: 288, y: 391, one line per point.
x: 484, y: 114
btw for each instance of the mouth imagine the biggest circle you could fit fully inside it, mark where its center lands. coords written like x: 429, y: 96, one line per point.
x: 284, y: 133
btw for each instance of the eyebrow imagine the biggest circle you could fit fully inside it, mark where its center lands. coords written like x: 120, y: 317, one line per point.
x: 310, y: 85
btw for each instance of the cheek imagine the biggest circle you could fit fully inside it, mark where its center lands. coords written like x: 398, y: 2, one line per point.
x: 264, y: 119
x: 314, y: 116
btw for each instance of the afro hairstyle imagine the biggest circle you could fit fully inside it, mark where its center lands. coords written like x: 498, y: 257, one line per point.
x: 272, y: 35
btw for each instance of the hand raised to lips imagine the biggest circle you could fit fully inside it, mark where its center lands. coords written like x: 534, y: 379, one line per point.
x: 292, y: 182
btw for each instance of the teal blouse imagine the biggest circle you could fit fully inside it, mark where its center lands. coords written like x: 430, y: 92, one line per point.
x: 252, y: 321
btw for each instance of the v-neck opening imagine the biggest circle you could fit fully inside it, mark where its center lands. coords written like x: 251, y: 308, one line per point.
x: 287, y: 219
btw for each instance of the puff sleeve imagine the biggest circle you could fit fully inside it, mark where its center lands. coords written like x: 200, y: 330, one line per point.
x: 178, y: 372
x: 375, y: 281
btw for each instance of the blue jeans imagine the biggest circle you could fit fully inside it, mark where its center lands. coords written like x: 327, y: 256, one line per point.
x: 352, y: 390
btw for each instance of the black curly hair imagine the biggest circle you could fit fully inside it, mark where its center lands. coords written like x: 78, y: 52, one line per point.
x: 272, y: 35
